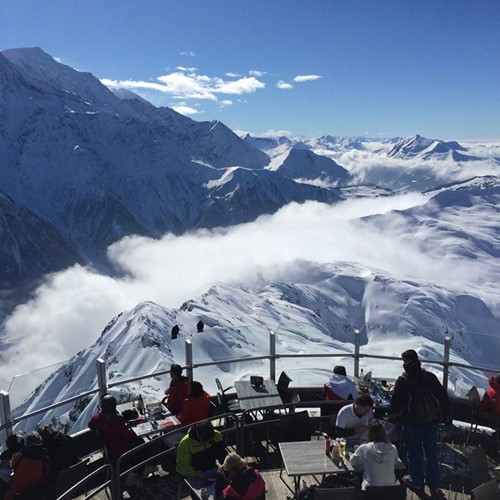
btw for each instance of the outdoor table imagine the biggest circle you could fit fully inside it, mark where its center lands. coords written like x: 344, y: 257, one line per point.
x: 253, y: 398
x: 155, y: 423
x: 308, y: 458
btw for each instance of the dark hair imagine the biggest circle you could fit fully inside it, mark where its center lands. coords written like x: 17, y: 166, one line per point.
x: 14, y: 441
x: 196, y: 389
x: 364, y: 400
x: 498, y: 378
x: 176, y: 369
x: 204, y: 430
x: 108, y: 404
x: 340, y: 370
x: 376, y: 432
x: 409, y: 355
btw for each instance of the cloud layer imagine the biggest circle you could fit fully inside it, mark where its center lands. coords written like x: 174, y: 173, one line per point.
x: 72, y: 307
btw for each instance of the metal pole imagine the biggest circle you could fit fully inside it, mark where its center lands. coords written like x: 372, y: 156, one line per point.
x: 102, y: 379
x: 357, y: 343
x: 272, y: 354
x: 446, y: 360
x: 189, y: 359
x: 5, y: 414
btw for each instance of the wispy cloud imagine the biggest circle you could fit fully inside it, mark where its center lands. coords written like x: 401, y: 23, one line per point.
x: 184, y: 68
x: 306, y: 78
x: 187, y: 53
x: 284, y: 85
x: 187, y: 84
x: 256, y: 73
x: 186, y: 110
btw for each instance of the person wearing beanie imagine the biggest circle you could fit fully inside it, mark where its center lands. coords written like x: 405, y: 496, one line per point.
x: 420, y: 403
x: 118, y: 437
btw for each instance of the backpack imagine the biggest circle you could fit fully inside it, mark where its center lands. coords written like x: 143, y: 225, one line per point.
x: 423, y: 406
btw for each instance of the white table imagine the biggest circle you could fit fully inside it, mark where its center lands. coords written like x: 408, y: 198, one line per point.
x: 308, y: 458
x: 254, y: 398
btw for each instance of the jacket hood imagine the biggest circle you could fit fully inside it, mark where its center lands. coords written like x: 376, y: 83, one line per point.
x: 382, y: 452
x: 494, y: 384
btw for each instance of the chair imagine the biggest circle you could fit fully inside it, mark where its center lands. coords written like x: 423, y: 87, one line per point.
x: 282, y: 385
x: 348, y: 493
x: 486, y: 491
x: 227, y: 404
x: 295, y: 427
x: 394, y: 492
x: 478, y: 465
x: 67, y: 478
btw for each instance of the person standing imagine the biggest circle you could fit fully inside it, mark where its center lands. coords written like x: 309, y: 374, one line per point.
x: 421, y: 403
x: 177, y: 391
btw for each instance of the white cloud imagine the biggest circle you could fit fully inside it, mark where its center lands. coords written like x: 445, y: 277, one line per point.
x: 187, y: 84
x: 284, y: 85
x: 233, y: 75
x: 187, y: 53
x: 245, y: 85
x: 71, y: 308
x: 306, y: 78
x: 257, y: 73
x: 224, y: 103
x: 184, y: 68
x: 186, y: 110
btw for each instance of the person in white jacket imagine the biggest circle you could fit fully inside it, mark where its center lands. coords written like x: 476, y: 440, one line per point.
x: 378, y: 458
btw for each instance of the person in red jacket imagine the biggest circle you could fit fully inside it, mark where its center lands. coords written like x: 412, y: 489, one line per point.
x: 196, y: 406
x: 245, y: 483
x: 177, y: 391
x: 116, y: 434
x: 489, y: 408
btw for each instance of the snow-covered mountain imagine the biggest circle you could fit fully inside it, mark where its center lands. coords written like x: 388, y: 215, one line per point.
x: 95, y: 167
x: 418, y: 146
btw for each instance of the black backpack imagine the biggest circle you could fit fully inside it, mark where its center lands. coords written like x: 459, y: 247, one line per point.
x: 423, y: 406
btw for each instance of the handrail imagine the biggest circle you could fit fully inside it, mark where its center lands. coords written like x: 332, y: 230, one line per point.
x: 105, y: 484
x: 8, y: 421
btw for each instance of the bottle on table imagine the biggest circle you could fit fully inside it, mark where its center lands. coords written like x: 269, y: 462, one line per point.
x: 140, y: 404
x: 336, y: 450
x: 328, y: 445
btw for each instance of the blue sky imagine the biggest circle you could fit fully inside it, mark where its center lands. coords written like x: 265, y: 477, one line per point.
x: 309, y: 67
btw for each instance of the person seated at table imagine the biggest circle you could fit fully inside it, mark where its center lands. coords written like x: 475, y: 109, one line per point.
x: 177, y: 391
x: 489, y: 407
x: 13, y: 444
x: 245, y: 483
x: 352, y: 420
x: 196, y: 406
x: 118, y: 437
x: 30, y: 470
x: 198, y: 452
x: 339, y: 386
x: 378, y: 458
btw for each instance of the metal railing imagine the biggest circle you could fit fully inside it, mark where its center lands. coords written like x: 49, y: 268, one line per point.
x: 7, y: 420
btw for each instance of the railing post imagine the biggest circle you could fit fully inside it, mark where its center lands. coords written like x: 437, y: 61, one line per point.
x: 5, y: 415
x: 357, y: 343
x: 102, y: 379
x: 272, y: 354
x: 189, y: 359
x: 446, y: 359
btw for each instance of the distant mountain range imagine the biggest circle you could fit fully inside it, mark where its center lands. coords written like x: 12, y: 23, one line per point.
x: 82, y: 167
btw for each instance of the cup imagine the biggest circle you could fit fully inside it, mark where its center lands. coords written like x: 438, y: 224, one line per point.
x: 343, y: 446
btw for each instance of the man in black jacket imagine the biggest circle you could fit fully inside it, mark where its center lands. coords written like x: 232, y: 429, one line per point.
x: 421, y: 403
